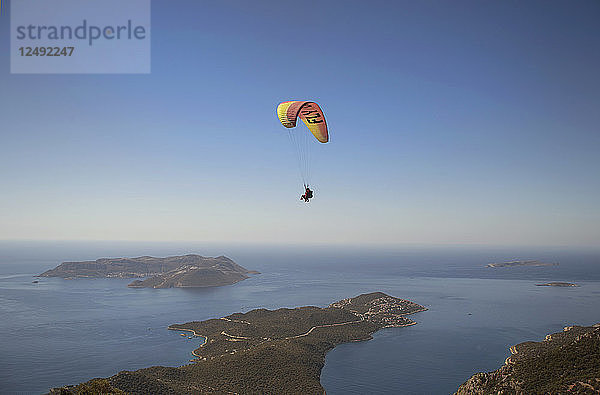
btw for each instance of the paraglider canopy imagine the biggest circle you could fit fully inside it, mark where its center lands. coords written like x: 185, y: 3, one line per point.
x: 310, y: 113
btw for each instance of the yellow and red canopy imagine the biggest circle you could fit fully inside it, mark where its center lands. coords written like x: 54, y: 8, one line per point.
x: 310, y: 113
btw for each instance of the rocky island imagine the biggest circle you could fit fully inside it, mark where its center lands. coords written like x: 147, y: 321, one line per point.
x: 557, y: 284
x: 564, y: 362
x: 174, y: 271
x: 515, y: 263
x: 262, y: 351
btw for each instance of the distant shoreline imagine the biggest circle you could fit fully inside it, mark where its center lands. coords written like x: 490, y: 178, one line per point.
x: 557, y: 284
x: 184, y: 271
x: 517, y: 263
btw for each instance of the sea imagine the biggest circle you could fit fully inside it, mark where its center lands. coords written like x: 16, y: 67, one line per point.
x: 58, y: 332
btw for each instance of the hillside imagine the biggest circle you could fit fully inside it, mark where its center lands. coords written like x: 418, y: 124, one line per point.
x: 564, y: 362
x: 262, y: 351
x: 175, y: 271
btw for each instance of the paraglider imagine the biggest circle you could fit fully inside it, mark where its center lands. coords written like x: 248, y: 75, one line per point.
x: 308, y: 194
x: 311, y: 114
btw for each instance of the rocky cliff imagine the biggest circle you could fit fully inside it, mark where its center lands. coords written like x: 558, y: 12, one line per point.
x: 567, y: 362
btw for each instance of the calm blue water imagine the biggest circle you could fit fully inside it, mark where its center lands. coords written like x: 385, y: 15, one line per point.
x: 62, y: 332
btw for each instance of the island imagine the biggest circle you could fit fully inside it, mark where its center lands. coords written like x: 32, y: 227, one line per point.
x: 564, y: 362
x: 557, y: 284
x: 175, y: 271
x: 262, y: 351
x: 515, y: 263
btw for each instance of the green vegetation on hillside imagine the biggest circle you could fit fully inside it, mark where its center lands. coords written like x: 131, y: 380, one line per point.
x: 174, y: 271
x: 267, y: 351
x: 565, y: 362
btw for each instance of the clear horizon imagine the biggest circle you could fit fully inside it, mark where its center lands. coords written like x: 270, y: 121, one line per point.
x: 245, y: 244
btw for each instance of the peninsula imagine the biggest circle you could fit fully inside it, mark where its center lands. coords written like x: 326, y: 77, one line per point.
x: 174, y: 271
x: 530, y: 262
x: 564, y: 362
x: 262, y: 351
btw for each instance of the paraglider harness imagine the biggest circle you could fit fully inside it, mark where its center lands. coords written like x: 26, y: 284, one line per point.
x: 308, y: 194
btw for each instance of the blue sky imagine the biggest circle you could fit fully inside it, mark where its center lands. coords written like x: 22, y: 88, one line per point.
x: 458, y: 122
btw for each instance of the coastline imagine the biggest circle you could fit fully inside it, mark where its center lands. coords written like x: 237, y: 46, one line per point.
x: 234, y: 338
x: 241, y: 338
x: 290, y: 343
x: 195, y: 334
